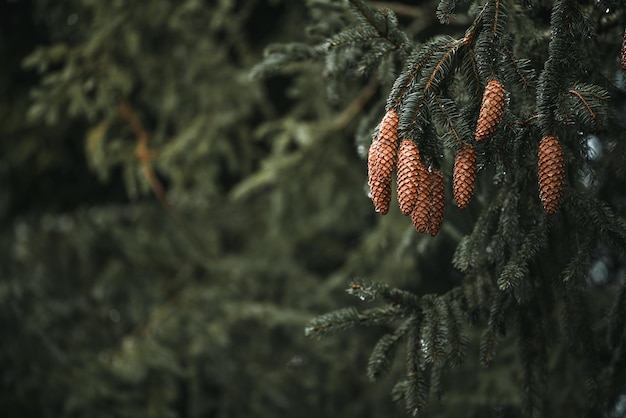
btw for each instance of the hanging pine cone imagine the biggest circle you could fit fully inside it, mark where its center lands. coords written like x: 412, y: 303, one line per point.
x: 551, y: 173
x: 427, y: 214
x: 408, y: 174
x: 381, y: 161
x: 491, y: 110
x: 622, y: 57
x: 420, y: 214
x: 464, y: 176
x: 437, y: 201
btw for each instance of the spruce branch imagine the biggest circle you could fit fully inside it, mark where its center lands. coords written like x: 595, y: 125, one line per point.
x: 382, y: 356
x: 589, y: 105
x: 384, y: 22
x: 580, y: 334
x: 415, y: 386
x: 601, y: 217
x: 578, y: 268
x: 279, y: 58
x: 469, y: 252
x: 457, y: 340
x: 517, y: 268
x: 532, y: 342
x: 520, y: 67
x: 617, y: 319
x: 333, y: 322
x: 557, y: 69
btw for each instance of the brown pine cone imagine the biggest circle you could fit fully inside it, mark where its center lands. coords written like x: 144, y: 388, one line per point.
x: 409, y: 165
x: 420, y: 214
x: 622, y: 57
x: 381, y: 161
x: 421, y: 209
x: 551, y: 170
x: 437, y: 201
x: 428, y: 211
x: 491, y: 110
x: 464, y: 176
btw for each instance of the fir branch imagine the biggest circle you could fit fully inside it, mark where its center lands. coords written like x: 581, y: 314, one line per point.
x: 351, y: 36
x: 470, y: 252
x: 382, y: 356
x: 450, y: 120
x: 472, y: 297
x: 600, y: 215
x: 413, y: 67
x: 617, y: 319
x: 278, y: 57
x: 457, y: 341
x: 445, y: 9
x: 346, y: 318
x: 384, y: 22
x: 589, y: 104
x: 531, y: 343
x: 432, y: 338
x: 493, y: 19
x: 495, y: 327
x: 521, y: 68
x: 578, y: 268
x: 333, y: 322
x: 437, y: 69
x: 415, y: 386
x: 517, y: 268
x: 557, y: 68
x: 398, y: 298
x: 578, y: 328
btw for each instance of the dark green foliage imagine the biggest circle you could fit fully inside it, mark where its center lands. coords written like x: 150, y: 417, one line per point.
x: 176, y: 205
x: 521, y: 266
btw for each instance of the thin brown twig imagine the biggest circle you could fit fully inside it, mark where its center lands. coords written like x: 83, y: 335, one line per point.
x: 142, y: 152
x: 355, y: 106
x: 582, y: 99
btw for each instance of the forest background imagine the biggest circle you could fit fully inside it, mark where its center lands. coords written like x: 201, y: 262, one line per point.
x: 171, y: 224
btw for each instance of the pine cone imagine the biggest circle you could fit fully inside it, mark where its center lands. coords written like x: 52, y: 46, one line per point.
x: 437, y: 201
x: 464, y: 176
x: 409, y: 166
x: 622, y: 57
x: 381, y: 161
x: 551, y: 173
x: 491, y: 110
x: 420, y: 214
x: 428, y: 211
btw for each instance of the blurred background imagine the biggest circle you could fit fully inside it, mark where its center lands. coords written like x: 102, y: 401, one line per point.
x: 170, y: 224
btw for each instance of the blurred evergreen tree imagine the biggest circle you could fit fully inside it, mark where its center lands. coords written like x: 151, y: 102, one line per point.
x: 171, y: 225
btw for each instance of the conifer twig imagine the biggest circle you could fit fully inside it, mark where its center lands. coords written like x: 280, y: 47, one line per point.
x: 354, y: 108
x: 142, y: 152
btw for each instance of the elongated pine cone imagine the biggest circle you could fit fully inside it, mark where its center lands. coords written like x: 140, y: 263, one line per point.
x: 381, y: 161
x: 410, y: 168
x: 427, y: 214
x: 491, y: 110
x: 551, y: 173
x: 464, y: 176
x: 437, y: 201
x: 622, y: 57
